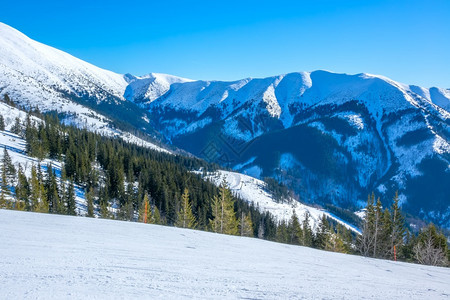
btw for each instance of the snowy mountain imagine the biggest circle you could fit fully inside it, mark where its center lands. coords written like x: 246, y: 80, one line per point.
x: 95, y: 258
x: 248, y: 188
x: 255, y: 191
x: 36, y: 75
x: 333, y: 138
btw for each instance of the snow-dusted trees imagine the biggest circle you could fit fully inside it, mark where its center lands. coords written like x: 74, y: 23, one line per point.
x: 2, y: 123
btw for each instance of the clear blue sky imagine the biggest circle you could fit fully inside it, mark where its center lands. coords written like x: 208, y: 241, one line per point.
x: 408, y: 41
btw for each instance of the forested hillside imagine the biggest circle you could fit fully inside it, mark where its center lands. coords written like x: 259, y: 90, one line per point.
x: 126, y: 181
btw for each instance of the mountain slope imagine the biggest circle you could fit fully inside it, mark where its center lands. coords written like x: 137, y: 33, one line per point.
x: 333, y: 138
x: 36, y: 75
x: 97, y: 258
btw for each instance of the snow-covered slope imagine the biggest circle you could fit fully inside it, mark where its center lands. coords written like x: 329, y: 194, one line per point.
x: 332, y: 137
x: 253, y: 190
x: 61, y: 257
x: 36, y: 75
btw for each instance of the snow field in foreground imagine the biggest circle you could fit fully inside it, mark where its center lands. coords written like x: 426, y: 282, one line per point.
x: 58, y: 257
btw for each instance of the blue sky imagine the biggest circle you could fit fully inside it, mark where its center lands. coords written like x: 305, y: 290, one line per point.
x: 408, y: 41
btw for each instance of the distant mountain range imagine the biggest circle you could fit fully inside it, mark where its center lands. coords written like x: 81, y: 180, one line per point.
x: 333, y: 138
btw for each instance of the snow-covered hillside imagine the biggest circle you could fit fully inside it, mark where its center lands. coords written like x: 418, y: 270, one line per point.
x: 253, y: 190
x: 36, y: 75
x: 332, y: 137
x: 61, y: 257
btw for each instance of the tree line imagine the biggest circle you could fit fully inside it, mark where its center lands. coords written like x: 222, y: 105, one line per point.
x: 126, y: 181
x: 385, y: 235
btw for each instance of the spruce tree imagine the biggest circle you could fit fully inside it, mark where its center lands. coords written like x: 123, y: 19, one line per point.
x: 145, y: 212
x: 90, y: 203
x: 185, y: 217
x: 22, y: 191
x: 70, y: 199
x: 366, y: 239
x: 17, y: 127
x: 2, y: 123
x: 322, y: 235
x: 294, y: 230
x: 224, y: 218
x: 246, y: 225
x: 398, y: 230
x: 307, y: 234
x: 37, y: 193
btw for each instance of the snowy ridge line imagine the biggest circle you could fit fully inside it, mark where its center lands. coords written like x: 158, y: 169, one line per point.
x: 252, y: 190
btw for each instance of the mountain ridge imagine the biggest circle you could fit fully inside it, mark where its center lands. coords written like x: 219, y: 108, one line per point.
x: 333, y: 137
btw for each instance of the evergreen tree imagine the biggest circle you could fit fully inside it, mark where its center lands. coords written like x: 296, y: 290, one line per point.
x: 90, y: 203
x: 377, y: 227
x: 366, y: 239
x: 246, y: 225
x: 294, y: 230
x: 17, y: 127
x: 431, y: 247
x: 185, y: 217
x: 22, y: 192
x: 145, y: 213
x: 156, y: 216
x: 322, y: 235
x: 37, y: 193
x: 224, y: 218
x: 70, y: 199
x: 282, y: 235
x: 9, y: 169
x: 51, y: 187
x: 398, y: 230
x: 307, y: 234
x: 2, y: 123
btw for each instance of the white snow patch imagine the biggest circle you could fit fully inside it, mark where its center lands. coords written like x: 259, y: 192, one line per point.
x: 59, y: 257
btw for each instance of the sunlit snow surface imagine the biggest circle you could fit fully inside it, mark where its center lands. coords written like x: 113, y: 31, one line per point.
x: 60, y: 257
x: 253, y: 190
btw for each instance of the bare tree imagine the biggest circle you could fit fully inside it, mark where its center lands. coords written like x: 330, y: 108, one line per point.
x: 427, y: 253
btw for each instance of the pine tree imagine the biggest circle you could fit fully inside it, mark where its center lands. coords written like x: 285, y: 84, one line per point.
x: 366, y: 239
x: 307, y: 234
x: 90, y: 203
x: 377, y: 227
x: 37, y: 193
x: 17, y: 127
x: 246, y: 225
x: 282, y: 235
x: 294, y: 230
x: 53, y: 197
x: 2, y: 123
x: 322, y: 235
x: 224, y: 218
x: 185, y: 217
x: 22, y: 191
x: 398, y: 230
x: 156, y: 215
x: 145, y: 212
x: 6, y: 192
x: 70, y: 199
x: 10, y: 170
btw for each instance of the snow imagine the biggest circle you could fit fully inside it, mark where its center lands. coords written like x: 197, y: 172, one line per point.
x: 16, y: 150
x: 253, y: 190
x: 37, y: 75
x: 62, y: 257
